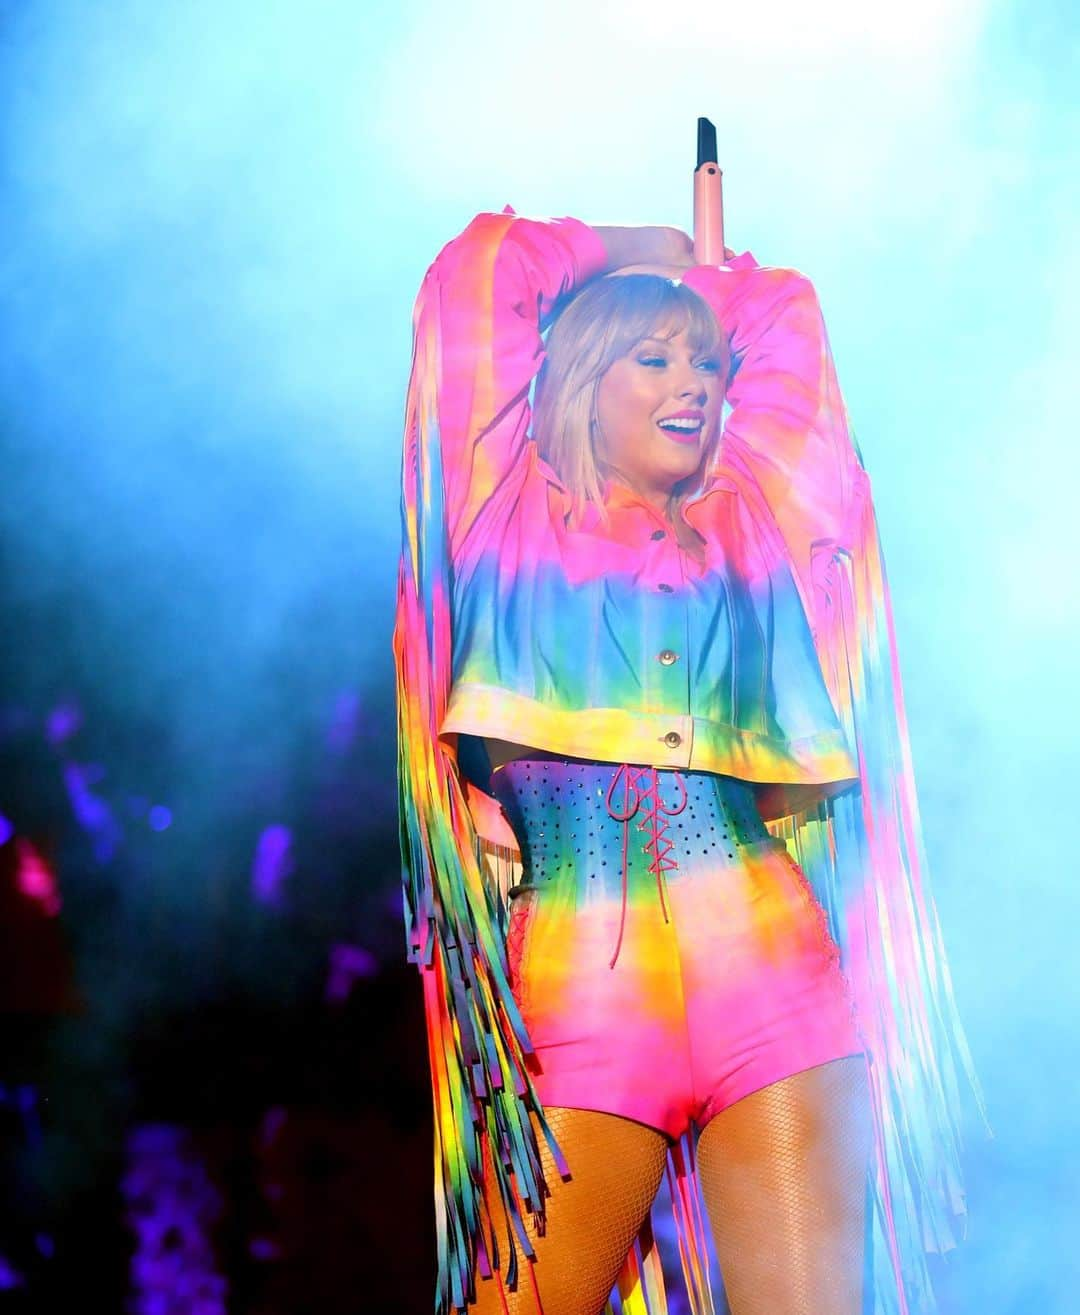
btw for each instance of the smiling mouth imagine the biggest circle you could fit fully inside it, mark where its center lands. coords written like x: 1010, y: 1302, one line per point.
x: 682, y: 431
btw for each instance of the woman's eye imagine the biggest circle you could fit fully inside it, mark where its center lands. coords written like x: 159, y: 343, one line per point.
x: 711, y: 363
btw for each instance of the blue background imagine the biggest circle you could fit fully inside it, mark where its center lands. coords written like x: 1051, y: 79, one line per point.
x: 214, y: 220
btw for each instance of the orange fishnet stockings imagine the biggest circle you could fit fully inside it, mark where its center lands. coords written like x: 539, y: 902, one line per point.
x: 783, y: 1174
x: 616, y: 1166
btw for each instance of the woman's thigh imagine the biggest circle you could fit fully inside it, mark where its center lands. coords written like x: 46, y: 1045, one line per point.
x: 783, y: 1174
x: 615, y: 1169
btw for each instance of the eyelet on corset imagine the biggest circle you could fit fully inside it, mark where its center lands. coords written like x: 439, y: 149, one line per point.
x: 546, y: 816
x: 617, y: 814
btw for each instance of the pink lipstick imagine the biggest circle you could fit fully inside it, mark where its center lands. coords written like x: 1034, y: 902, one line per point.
x: 683, y: 426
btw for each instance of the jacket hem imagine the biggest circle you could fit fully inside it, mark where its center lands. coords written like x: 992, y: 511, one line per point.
x: 652, y: 739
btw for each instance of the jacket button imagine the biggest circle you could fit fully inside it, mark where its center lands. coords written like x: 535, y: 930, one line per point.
x: 673, y: 739
x: 667, y: 588
x: 667, y: 657
x: 658, y: 534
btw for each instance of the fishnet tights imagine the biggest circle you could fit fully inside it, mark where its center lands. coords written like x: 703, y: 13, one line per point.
x: 783, y: 1174
x: 616, y: 1166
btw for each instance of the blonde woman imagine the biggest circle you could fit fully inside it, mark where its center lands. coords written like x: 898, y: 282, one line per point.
x: 629, y: 636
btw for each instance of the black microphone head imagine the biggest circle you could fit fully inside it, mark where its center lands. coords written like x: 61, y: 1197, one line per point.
x: 706, y: 142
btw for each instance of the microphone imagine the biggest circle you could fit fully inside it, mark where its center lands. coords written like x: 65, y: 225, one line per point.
x: 708, y: 199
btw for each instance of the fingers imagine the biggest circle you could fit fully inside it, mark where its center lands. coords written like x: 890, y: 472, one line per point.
x: 665, y: 271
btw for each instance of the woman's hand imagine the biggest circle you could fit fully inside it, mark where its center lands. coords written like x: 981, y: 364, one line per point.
x: 648, y: 244
x: 649, y: 249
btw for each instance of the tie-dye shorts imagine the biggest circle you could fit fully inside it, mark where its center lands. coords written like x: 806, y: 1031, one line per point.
x: 668, y: 955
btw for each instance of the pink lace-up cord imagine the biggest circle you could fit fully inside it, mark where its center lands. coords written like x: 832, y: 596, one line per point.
x: 642, y: 784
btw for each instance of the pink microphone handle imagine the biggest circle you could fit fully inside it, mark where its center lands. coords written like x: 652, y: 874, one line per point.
x: 708, y: 215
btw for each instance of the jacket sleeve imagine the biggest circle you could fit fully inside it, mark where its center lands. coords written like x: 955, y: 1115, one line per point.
x: 787, y: 443
x: 487, y: 292
x: 788, y: 428
x: 475, y: 350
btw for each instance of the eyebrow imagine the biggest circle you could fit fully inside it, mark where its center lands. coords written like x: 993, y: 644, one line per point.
x: 667, y: 343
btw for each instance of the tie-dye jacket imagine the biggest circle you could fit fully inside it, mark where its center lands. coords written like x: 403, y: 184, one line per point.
x: 778, y: 666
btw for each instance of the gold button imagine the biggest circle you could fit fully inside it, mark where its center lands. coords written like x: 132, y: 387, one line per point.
x: 673, y: 739
x: 668, y: 656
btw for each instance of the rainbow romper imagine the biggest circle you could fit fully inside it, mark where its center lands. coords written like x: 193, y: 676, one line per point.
x: 708, y: 872
x: 666, y: 953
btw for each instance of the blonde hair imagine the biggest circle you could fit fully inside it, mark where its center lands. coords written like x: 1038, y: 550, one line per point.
x: 603, y: 322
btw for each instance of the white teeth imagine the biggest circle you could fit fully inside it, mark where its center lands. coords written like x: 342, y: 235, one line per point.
x: 680, y: 422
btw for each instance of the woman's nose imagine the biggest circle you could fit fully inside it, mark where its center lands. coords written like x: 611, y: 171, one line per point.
x: 693, y: 385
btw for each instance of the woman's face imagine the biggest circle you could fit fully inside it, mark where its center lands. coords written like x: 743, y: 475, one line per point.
x: 657, y: 407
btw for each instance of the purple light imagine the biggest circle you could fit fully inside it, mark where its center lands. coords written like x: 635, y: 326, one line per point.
x: 344, y: 722
x: 6, y: 830
x: 272, y: 865
x: 64, y: 721
x: 174, y: 1212
x: 160, y: 817
x: 92, y: 813
x: 347, y: 963
x: 10, y: 1277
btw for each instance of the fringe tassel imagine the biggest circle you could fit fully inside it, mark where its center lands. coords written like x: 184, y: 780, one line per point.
x: 863, y: 854
x: 690, y: 1230
x: 640, y: 1284
x: 455, y: 922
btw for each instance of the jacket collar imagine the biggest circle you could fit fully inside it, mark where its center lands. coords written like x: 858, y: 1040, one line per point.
x: 618, y: 496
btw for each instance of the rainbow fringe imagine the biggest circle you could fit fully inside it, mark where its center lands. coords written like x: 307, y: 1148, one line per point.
x: 863, y: 853
x: 455, y: 923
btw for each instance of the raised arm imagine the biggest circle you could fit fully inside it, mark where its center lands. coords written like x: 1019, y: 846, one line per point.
x: 864, y: 854
x: 478, y: 313
x: 788, y: 426
x: 477, y: 338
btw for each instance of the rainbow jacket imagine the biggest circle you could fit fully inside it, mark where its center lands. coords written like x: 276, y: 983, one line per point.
x: 517, y: 622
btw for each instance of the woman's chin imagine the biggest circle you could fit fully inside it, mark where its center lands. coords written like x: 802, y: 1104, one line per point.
x: 681, y: 467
